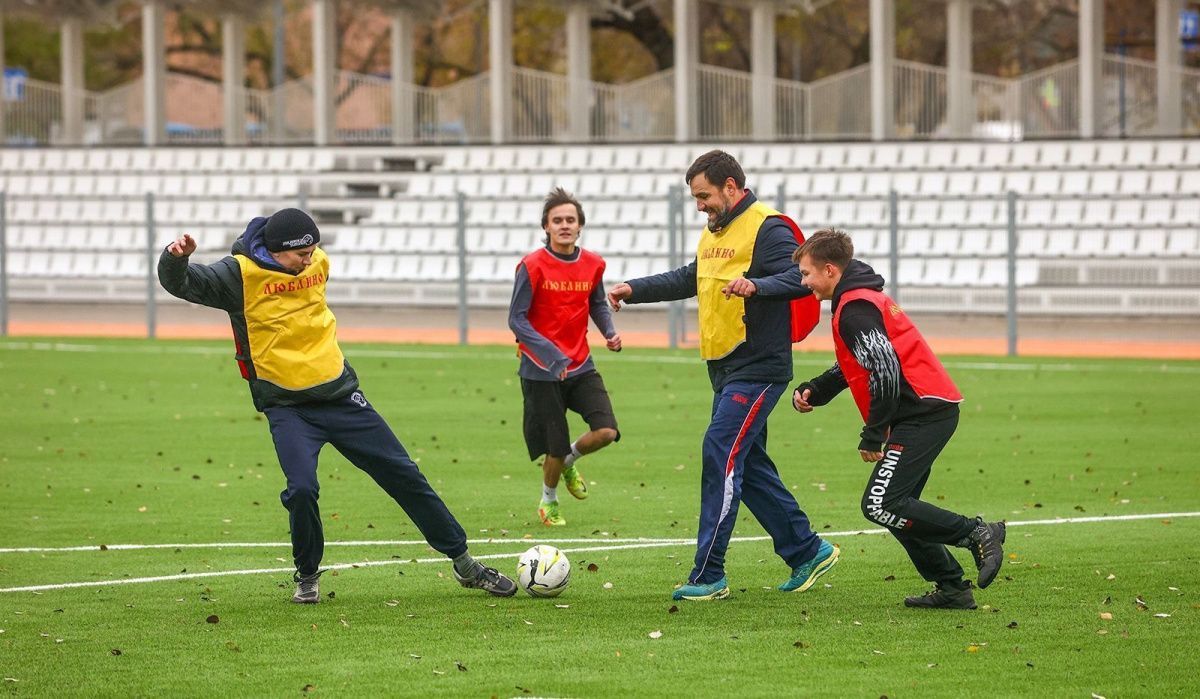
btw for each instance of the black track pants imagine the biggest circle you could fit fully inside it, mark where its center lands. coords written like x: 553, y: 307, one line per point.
x: 893, y: 492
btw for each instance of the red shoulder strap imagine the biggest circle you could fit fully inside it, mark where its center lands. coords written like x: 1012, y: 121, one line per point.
x: 806, y: 311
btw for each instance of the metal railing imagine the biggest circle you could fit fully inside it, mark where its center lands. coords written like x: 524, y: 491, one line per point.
x: 1042, y: 104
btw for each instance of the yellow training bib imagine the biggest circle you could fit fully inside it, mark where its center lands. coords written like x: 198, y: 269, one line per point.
x: 292, y: 332
x: 721, y: 258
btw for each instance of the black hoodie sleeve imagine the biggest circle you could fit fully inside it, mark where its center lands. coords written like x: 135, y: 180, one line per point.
x: 780, y: 277
x: 826, y: 386
x: 863, y: 332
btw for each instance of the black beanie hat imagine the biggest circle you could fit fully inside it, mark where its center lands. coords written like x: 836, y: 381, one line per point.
x: 288, y: 229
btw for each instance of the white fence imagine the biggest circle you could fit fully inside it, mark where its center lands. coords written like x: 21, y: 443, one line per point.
x: 1042, y: 104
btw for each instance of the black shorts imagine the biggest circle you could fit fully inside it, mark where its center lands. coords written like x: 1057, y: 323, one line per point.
x: 546, y: 405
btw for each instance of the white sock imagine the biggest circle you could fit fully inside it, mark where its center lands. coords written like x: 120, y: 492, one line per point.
x: 549, y: 493
x: 570, y: 459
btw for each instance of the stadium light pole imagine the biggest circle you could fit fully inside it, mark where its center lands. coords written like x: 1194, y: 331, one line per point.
x: 277, y: 73
x: 958, y: 67
x: 1167, y: 65
x: 579, y: 69
x: 3, y: 88
x: 403, y: 95
x: 233, y: 71
x: 500, y: 62
x: 324, y: 37
x: 72, y: 81
x: 687, y: 59
x: 154, y: 73
x: 762, y: 68
x: 1091, y: 61
x: 883, y: 59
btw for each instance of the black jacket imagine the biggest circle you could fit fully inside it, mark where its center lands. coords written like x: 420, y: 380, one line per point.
x: 766, y: 355
x: 219, y: 285
x: 892, y: 399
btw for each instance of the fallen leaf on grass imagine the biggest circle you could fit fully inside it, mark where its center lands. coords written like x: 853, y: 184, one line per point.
x: 608, y: 586
x: 802, y: 644
x: 528, y: 623
x: 414, y: 656
x: 1140, y: 603
x: 878, y: 652
x: 592, y: 567
x: 213, y: 619
x: 1161, y: 615
x: 673, y: 609
x: 1107, y: 616
x: 656, y: 634
x: 1012, y: 625
x: 460, y: 666
x: 233, y: 647
x: 115, y: 651
x: 308, y: 688
x: 1111, y: 577
x: 972, y: 648
x: 392, y: 603
x: 438, y: 672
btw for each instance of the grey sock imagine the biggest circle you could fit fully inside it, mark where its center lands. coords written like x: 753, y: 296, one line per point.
x: 465, y: 565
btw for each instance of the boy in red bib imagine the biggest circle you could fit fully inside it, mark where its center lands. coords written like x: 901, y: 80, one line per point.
x: 556, y: 289
x: 909, y: 406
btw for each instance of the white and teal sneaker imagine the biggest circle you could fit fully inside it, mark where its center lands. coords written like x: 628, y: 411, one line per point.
x: 806, y: 574
x: 699, y: 592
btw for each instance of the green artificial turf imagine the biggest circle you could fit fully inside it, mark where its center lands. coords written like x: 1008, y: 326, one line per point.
x: 127, y: 442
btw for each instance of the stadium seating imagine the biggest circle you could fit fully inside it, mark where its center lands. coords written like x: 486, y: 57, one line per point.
x: 390, y: 215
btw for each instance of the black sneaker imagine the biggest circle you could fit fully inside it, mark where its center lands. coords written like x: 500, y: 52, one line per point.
x: 948, y: 597
x: 986, y: 544
x: 307, y: 591
x: 490, y: 581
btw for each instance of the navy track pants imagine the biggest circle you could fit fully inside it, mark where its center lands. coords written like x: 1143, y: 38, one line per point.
x: 736, y: 468
x: 353, y: 427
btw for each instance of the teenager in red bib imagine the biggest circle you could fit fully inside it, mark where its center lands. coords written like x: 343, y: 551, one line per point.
x: 557, y: 289
x: 909, y: 407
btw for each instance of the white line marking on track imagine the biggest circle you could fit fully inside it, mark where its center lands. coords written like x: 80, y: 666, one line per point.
x: 611, y: 546
x: 353, y: 351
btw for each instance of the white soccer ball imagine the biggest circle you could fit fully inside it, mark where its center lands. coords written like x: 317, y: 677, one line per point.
x: 543, y: 571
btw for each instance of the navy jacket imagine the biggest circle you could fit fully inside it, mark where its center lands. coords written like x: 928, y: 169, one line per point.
x: 766, y: 355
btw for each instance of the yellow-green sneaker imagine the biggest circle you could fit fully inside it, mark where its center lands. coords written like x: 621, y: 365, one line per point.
x: 548, y: 513
x: 576, y: 486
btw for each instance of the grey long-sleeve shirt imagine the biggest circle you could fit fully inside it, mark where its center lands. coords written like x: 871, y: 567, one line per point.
x: 547, y: 352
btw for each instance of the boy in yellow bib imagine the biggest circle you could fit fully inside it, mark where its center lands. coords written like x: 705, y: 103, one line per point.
x: 272, y: 286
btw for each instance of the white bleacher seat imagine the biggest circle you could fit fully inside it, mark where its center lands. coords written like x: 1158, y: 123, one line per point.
x: 868, y: 242
x: 799, y: 184
x: 992, y: 273
x: 1055, y: 154
x: 1164, y: 182
x: 1068, y: 212
x: 1096, y: 212
x: 323, y: 161
x: 627, y: 158
x: 966, y: 272
x: 871, y: 213
x: 1122, y: 243
x: 938, y: 271
x: 1092, y: 243
x: 960, y: 183
x: 992, y: 156
x: 916, y: 241
x: 945, y: 155
x: 810, y: 214
x: 10, y: 160
x: 1151, y: 243
x: 75, y: 160
x: 575, y: 158
x: 53, y: 161
x: 982, y: 213
x: 1169, y: 154
x: 755, y: 158
x: 982, y: 242
x: 842, y: 214
x: 953, y: 212
x: 1045, y: 182
x: 1023, y: 155
x: 382, y: 267
x: 860, y: 157
x: 906, y: 183
x: 1032, y: 241
x: 824, y: 184
x: 31, y: 159
x: 1104, y: 182
x: 525, y: 159
x: 1111, y: 154
x: 1189, y: 181
x: 406, y: 267
x: 922, y: 213
x: 602, y: 159
x: 944, y: 243
x: 278, y: 160
x: 1184, y: 243
x: 478, y: 159
x: 1127, y: 212
x: 1060, y: 242
x: 1072, y: 182
x: 911, y: 272
x: 591, y: 184
x: 1139, y: 154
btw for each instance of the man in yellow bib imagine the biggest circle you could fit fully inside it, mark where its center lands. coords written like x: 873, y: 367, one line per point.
x: 752, y: 308
x: 272, y: 286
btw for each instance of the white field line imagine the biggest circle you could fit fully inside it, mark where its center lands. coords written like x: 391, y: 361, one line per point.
x: 610, y: 546
x: 353, y: 351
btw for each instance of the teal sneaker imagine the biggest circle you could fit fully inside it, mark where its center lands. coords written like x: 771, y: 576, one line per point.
x: 702, y: 593
x: 804, y: 576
